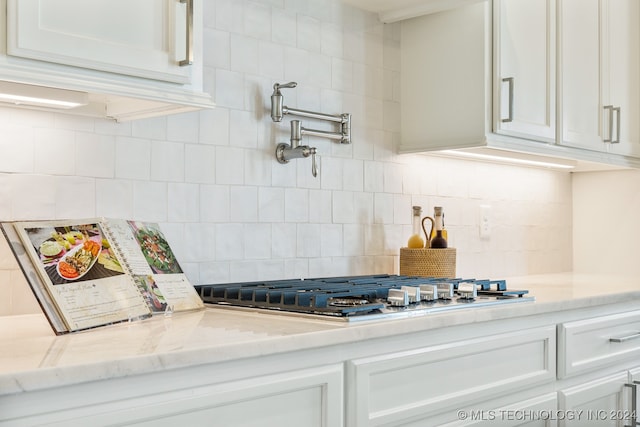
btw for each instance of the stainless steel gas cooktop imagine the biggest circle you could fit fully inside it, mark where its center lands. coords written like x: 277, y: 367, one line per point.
x: 355, y: 298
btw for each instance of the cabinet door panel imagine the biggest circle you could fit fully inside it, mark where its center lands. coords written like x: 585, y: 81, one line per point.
x: 624, y: 68
x: 416, y: 384
x: 597, y: 403
x: 312, y: 397
x: 585, y: 345
x: 526, y: 54
x: 139, y: 38
x: 581, y: 94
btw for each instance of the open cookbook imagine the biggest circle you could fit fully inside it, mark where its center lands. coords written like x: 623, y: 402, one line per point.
x: 95, y: 272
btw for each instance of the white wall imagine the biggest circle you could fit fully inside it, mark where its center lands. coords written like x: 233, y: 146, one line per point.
x: 606, y: 222
x: 232, y: 212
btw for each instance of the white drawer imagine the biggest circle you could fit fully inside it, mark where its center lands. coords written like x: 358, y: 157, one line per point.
x: 404, y: 386
x: 592, y: 343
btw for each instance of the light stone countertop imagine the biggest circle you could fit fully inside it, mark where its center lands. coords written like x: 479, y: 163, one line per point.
x: 32, y: 357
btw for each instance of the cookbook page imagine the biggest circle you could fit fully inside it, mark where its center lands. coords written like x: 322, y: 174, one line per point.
x: 154, y: 266
x: 81, y: 272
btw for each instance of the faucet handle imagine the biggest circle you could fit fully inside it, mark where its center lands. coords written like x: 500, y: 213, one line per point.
x: 278, y: 86
x: 314, y: 166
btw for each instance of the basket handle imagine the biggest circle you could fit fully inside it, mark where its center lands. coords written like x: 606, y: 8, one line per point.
x: 428, y: 235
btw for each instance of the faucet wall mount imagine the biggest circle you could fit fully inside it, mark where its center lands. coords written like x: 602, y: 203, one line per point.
x: 286, y: 152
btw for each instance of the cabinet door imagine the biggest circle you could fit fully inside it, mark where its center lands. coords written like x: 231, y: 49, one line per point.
x: 604, y: 402
x: 600, y: 64
x: 622, y: 68
x: 144, y: 38
x: 311, y: 398
x: 581, y: 95
x: 525, y: 100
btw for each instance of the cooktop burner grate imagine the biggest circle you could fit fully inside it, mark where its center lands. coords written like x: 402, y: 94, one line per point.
x: 357, y: 296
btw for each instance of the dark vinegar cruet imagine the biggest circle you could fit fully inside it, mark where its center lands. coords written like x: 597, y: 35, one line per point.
x: 438, y: 241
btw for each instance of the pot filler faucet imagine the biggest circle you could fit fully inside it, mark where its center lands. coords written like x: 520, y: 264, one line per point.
x: 286, y: 152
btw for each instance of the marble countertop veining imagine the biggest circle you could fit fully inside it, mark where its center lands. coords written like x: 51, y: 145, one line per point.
x: 32, y: 357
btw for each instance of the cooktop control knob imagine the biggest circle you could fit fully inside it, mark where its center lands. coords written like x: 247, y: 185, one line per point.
x: 468, y: 291
x: 398, y: 298
x: 413, y: 293
x: 445, y: 290
x: 428, y: 292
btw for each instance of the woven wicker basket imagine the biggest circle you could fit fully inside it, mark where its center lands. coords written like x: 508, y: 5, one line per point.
x: 424, y: 262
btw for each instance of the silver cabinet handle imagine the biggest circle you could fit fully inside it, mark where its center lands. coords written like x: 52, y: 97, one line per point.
x: 610, y: 108
x: 625, y: 338
x: 617, y: 111
x: 189, y: 52
x: 634, y: 404
x: 510, y: 117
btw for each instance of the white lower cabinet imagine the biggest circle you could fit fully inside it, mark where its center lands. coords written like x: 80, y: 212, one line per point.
x: 602, y: 402
x: 411, y: 387
x: 309, y: 398
x: 536, y: 412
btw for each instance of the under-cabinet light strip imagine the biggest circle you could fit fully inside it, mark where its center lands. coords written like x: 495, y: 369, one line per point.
x: 505, y: 159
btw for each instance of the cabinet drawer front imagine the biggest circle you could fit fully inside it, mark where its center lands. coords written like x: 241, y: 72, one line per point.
x: 587, y: 344
x: 311, y: 398
x: 411, y: 384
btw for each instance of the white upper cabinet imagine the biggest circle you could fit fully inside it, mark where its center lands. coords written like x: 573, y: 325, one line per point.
x: 524, y: 78
x: 445, y: 96
x: 144, y: 38
x: 600, y: 75
x: 134, y: 59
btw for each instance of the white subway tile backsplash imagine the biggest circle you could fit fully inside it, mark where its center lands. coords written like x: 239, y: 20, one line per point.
x: 320, y: 206
x: 151, y: 128
x: 17, y: 146
x: 308, y: 33
x: 167, y: 161
x: 284, y: 240
x: 133, y: 158
x: 75, y: 197
x: 219, y: 42
x: 308, y: 240
x: 383, y: 208
x: 228, y: 87
x: 353, y: 240
x: 270, y: 204
x: 229, y: 166
x: 271, y: 59
x: 332, y: 176
x: 229, y: 241
x: 296, y: 205
x: 244, y: 51
x: 214, y: 203
x: 331, y: 240
x: 183, y: 202
x: 150, y: 201
x: 243, y: 129
x: 257, y: 20
x: 214, y: 126
x: 229, y: 15
x: 257, y: 241
x: 55, y: 151
x: 101, y: 161
x: 243, y: 204
x: 200, y: 163
x: 284, y: 27
x: 342, y: 74
x: 114, y: 198
x: 183, y: 127
x: 32, y: 196
x: 353, y: 175
x: 331, y: 40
